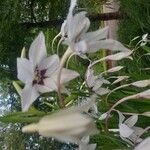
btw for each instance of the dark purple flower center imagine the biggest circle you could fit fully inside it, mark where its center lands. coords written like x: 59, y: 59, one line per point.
x: 39, y: 76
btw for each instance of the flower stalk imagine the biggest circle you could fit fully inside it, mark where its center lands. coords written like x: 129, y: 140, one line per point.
x: 62, y: 63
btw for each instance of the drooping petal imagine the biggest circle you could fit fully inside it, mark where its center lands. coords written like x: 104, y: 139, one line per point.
x: 131, y: 121
x: 125, y: 131
x: 97, y: 35
x: 29, y: 95
x: 106, y: 44
x: 114, y: 69
x: 144, y: 145
x: 67, y: 75
x: 120, y: 78
x: 25, y: 70
x: 51, y: 64
x: 117, y: 56
x: 141, y: 83
x: 37, y: 50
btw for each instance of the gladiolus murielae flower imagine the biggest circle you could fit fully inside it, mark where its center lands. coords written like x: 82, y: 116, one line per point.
x: 74, y: 34
x: 68, y: 125
x: 129, y: 132
x: 39, y: 72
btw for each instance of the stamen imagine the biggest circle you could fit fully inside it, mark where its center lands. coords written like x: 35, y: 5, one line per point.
x: 59, y: 45
x: 54, y: 41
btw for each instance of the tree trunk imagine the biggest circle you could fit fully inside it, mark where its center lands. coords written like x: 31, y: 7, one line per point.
x: 93, y: 17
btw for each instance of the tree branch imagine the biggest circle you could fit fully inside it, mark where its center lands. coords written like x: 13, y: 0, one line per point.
x: 93, y: 17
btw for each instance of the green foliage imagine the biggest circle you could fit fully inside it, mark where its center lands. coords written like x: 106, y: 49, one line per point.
x: 138, y: 22
x: 14, y: 36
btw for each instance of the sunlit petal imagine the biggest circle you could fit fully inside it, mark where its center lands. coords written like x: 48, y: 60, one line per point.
x: 29, y: 95
x: 51, y: 64
x: 37, y: 50
x: 25, y: 70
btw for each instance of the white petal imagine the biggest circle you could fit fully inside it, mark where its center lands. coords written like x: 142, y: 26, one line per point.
x: 51, y: 84
x: 97, y: 85
x: 37, y: 50
x: 138, y: 130
x: 50, y: 63
x: 144, y: 145
x: 25, y: 70
x: 63, y: 122
x: 90, y: 78
x: 117, y: 56
x: 78, y: 26
x: 43, y: 88
x: 121, y: 117
x: 125, y: 131
x: 102, y: 91
x: 29, y: 95
x: 68, y: 75
x: 107, y: 44
x: 97, y: 35
x: 144, y: 94
x: 120, y: 78
x: 84, y: 146
x: 103, y: 116
x: 131, y: 121
x: 72, y: 5
x: 64, y: 28
x: 115, y: 69
x: 146, y: 114
x: 141, y: 83
x: 80, y: 47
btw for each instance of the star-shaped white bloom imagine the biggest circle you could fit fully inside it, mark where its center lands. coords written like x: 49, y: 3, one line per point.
x: 128, y: 132
x: 96, y: 82
x: 67, y: 125
x: 39, y: 72
x: 74, y: 33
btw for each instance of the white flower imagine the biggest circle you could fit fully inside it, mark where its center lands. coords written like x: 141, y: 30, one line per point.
x: 144, y: 145
x: 96, y: 82
x: 128, y: 132
x: 39, y: 72
x: 74, y: 33
x: 68, y: 125
x: 144, y: 40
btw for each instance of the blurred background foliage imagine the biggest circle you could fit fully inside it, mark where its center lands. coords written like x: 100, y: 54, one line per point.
x: 15, y: 15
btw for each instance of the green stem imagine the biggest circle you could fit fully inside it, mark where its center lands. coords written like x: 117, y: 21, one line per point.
x: 62, y: 63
